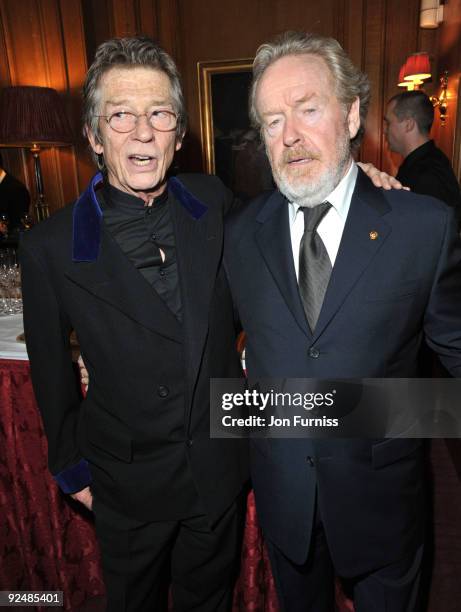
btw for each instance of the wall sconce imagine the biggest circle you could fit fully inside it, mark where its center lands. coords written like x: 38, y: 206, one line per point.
x: 415, y: 71
x: 33, y: 117
x: 441, y: 102
x: 431, y: 14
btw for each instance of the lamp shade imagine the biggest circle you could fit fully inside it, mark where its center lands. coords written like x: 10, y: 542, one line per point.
x: 417, y: 67
x: 32, y: 115
x: 401, y: 82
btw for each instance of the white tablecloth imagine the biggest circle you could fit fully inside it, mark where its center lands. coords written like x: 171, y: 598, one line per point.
x: 10, y: 328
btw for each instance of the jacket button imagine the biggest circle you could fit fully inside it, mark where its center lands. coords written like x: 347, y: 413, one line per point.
x: 314, y: 353
x: 310, y: 461
x: 163, y: 391
x: 190, y: 442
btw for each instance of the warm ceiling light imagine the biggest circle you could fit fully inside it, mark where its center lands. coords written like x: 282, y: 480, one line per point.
x: 431, y: 14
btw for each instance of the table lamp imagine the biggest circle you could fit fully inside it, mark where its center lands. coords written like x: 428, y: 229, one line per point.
x: 33, y: 117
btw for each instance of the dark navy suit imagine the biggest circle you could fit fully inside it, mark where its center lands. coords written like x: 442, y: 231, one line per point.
x: 384, y: 294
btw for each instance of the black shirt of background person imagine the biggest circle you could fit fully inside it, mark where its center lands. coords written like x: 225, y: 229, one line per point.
x: 14, y: 200
x: 427, y: 170
x: 141, y: 231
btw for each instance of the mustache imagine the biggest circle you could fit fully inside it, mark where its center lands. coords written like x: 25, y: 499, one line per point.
x: 299, y: 153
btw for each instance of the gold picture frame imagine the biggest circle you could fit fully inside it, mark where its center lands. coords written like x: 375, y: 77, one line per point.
x: 207, y: 71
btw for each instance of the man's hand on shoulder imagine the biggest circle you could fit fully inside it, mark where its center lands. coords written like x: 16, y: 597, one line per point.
x: 84, y: 376
x: 84, y: 497
x: 381, y: 179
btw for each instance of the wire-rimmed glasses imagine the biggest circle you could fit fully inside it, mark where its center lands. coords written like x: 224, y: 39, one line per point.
x: 163, y: 120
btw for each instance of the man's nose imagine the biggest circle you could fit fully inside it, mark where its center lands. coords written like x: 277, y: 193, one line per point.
x: 292, y: 133
x: 143, y: 129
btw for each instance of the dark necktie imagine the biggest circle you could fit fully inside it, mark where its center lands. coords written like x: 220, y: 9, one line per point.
x: 314, y: 264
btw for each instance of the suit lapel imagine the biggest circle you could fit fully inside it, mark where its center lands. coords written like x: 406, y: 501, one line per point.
x: 113, y: 279
x: 364, y: 234
x: 100, y: 267
x: 274, y: 242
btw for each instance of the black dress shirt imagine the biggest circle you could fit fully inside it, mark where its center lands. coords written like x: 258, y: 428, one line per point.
x: 141, y: 231
x: 427, y: 170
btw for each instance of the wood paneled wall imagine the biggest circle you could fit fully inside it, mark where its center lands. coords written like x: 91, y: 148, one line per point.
x: 448, y: 54
x: 51, y: 42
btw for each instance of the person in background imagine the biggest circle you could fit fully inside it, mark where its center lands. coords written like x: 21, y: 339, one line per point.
x: 333, y: 278
x: 14, y: 202
x: 425, y: 168
x: 134, y: 266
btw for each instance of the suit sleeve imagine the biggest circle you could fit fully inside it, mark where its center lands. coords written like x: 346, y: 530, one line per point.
x: 47, y: 330
x: 442, y: 322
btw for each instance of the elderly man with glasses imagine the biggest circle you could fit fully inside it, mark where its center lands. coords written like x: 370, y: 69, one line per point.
x: 134, y: 266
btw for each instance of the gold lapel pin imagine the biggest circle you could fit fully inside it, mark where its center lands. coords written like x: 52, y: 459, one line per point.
x: 373, y: 235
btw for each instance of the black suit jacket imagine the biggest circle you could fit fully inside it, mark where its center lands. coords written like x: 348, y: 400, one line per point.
x: 145, y: 367
x: 383, y: 295
x: 427, y: 170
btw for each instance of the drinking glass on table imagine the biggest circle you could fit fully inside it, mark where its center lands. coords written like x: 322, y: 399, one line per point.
x: 10, y: 283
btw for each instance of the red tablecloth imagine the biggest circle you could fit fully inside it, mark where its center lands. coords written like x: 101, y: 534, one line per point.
x: 47, y: 542
x: 44, y: 543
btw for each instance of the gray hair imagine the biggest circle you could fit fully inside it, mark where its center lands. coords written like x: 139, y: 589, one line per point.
x: 350, y: 82
x: 415, y: 105
x: 126, y: 52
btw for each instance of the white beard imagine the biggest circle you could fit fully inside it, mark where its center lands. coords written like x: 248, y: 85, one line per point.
x: 311, y: 193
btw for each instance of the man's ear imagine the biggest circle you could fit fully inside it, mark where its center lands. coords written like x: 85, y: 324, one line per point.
x: 410, y: 124
x: 94, y: 142
x: 353, y: 118
x: 179, y: 139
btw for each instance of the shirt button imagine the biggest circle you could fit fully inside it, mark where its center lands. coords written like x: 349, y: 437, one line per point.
x: 190, y: 442
x: 163, y: 391
x: 310, y: 461
x: 314, y: 353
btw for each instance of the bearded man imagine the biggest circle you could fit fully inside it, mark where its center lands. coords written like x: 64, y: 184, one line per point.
x: 335, y: 278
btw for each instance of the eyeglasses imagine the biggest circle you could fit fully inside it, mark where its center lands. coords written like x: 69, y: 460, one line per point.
x: 162, y: 120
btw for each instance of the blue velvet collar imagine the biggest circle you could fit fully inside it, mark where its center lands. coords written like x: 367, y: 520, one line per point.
x: 86, y: 236
x: 87, y: 217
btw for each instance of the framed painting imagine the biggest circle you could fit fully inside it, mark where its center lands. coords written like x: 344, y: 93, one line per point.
x: 231, y: 148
